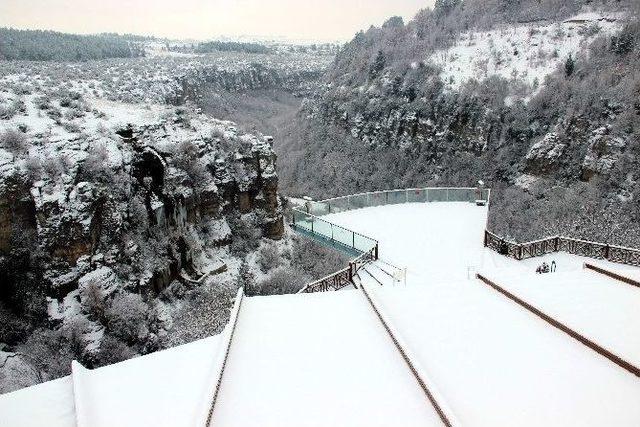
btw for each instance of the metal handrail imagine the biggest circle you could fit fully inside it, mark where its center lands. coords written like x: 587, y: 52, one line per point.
x: 399, y: 189
x: 332, y: 224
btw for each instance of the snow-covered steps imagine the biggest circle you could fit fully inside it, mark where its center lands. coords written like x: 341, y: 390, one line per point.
x: 496, y: 364
x: 598, y: 308
x: 332, y: 359
x: 317, y: 360
x: 373, y: 275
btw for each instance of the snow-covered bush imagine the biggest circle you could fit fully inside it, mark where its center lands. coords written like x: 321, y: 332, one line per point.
x: 205, y: 312
x: 126, y: 318
x: 7, y: 110
x: 33, y: 168
x: 245, y: 236
x: 56, y: 165
x: 185, y: 157
x: 314, y: 259
x: 14, y: 142
x: 112, y: 350
x: 93, y: 302
x: 71, y: 127
x: 75, y: 331
x: 282, y: 280
x: 54, y: 113
x: 138, y: 216
x: 74, y: 112
x: 269, y: 257
x: 50, y: 352
x: 96, y: 166
x: 13, y: 329
x: 43, y: 102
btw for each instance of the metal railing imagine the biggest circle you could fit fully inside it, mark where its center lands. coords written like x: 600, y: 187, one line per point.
x: 394, y: 197
x: 309, y: 220
x: 521, y: 251
x: 333, y: 233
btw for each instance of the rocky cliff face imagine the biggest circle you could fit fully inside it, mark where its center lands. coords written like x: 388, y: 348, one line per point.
x: 299, y: 82
x: 169, y: 175
x: 122, y: 210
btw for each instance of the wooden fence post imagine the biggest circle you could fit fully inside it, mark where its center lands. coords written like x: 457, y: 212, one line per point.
x: 504, y: 248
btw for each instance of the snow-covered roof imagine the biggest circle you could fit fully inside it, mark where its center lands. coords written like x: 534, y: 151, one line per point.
x: 355, y: 358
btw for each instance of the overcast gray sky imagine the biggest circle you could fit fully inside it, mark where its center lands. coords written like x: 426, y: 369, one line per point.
x: 201, y: 19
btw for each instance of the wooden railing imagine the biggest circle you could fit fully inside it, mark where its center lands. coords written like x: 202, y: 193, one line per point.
x: 344, y: 277
x: 520, y: 251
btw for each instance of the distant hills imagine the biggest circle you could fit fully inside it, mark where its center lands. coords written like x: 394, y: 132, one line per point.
x: 38, y: 45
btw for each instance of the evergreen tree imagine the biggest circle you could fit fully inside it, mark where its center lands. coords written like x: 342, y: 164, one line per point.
x: 378, y: 65
x: 569, y: 66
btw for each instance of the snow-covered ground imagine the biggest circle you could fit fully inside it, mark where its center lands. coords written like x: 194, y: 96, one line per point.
x: 173, y: 382
x: 528, y: 52
x: 468, y: 337
x: 434, y: 241
x: 497, y: 364
x: 48, y: 404
x: 157, y: 78
x: 602, y: 309
x: 316, y: 360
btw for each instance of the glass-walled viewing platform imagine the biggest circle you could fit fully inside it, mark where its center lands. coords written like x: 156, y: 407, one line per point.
x: 308, y: 218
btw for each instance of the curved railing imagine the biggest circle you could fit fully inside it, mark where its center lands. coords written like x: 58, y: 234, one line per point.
x: 308, y: 221
x: 394, y: 197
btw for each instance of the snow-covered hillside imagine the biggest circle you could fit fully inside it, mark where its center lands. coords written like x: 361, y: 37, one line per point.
x: 526, y: 53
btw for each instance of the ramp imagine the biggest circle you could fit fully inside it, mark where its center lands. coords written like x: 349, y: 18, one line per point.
x: 317, y: 360
x: 599, y: 308
x: 499, y: 365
